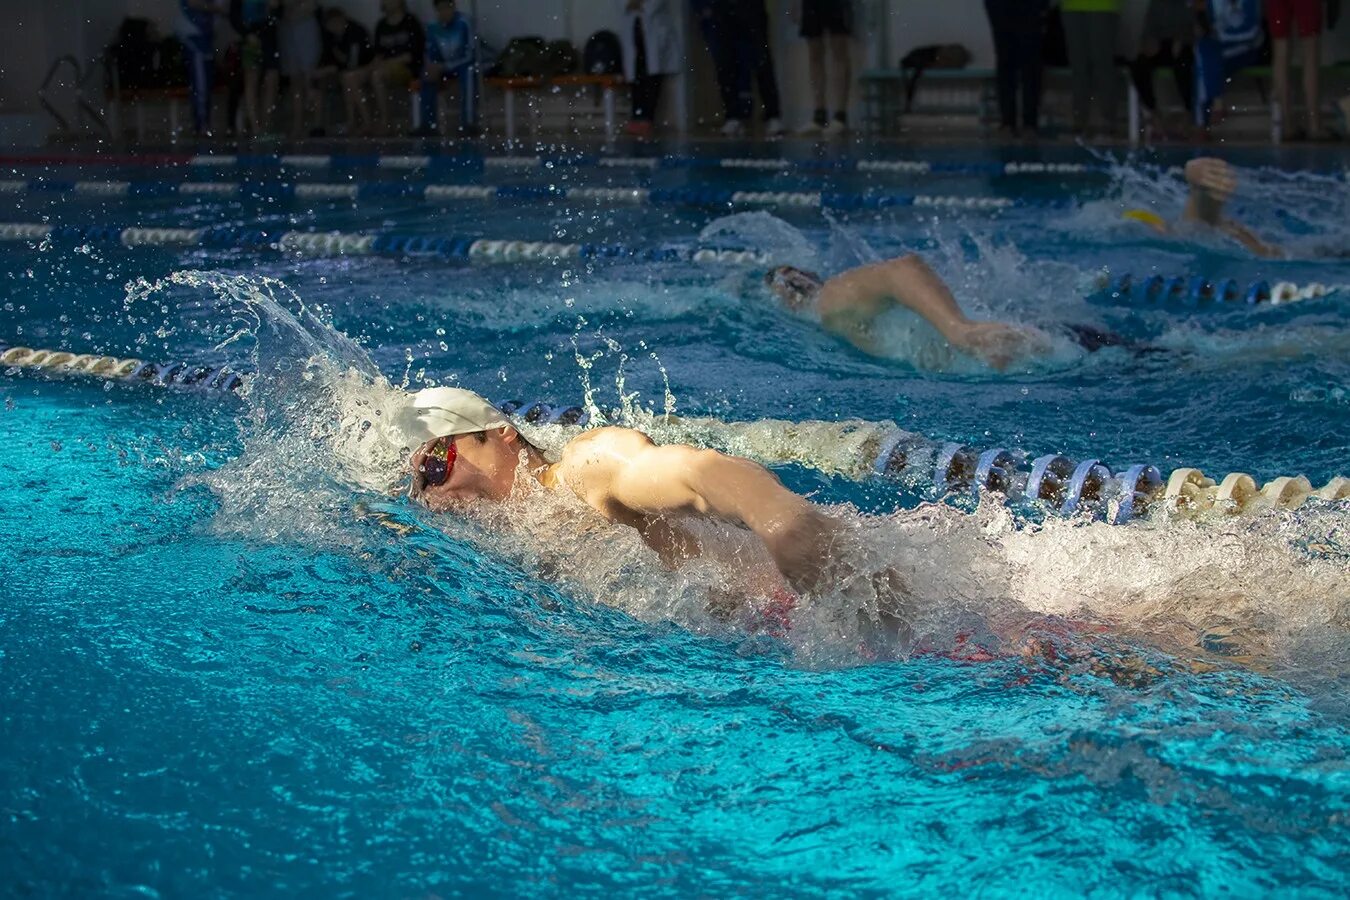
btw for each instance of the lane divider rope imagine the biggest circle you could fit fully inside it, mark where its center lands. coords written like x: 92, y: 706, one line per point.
x: 332, y: 243
x: 1058, y: 483
x: 1198, y: 291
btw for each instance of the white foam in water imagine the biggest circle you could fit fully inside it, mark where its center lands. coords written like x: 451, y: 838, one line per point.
x: 1274, y: 588
x: 1301, y: 212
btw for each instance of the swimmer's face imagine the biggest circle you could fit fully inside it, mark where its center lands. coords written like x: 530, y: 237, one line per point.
x: 484, y: 468
x: 795, y: 288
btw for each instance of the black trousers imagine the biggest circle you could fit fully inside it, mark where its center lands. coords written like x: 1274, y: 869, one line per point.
x: 744, y: 28
x: 1019, y: 31
x: 1182, y: 62
x: 646, y: 86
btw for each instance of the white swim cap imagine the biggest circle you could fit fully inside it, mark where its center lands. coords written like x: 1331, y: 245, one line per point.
x: 445, y: 412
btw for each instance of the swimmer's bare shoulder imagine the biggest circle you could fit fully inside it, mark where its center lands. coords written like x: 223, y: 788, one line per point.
x: 620, y: 472
x: 860, y: 292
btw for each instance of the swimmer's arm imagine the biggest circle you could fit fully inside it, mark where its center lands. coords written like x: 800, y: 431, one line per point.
x: 1212, y: 183
x: 673, y: 481
x: 862, y: 294
x: 849, y: 302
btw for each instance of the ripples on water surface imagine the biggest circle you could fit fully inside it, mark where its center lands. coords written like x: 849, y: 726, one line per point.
x: 230, y: 664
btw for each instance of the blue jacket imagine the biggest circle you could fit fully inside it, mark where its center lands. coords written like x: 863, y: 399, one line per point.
x: 450, y: 45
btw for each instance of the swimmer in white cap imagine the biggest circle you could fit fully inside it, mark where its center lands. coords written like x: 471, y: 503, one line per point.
x: 467, y: 450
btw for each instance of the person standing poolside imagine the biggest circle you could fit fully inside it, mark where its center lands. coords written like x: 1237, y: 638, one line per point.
x: 259, y: 56
x: 1284, y: 16
x: 399, y: 44
x: 746, y: 25
x: 346, y: 54
x: 827, y: 22
x: 1090, y: 29
x: 731, y: 69
x: 1231, y: 38
x: 1018, y: 27
x: 651, y: 52
x: 1167, y: 39
x: 196, y: 29
x: 301, y: 42
x: 450, y: 55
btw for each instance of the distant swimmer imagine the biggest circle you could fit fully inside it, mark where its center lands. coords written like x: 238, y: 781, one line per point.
x: 851, y: 303
x: 1212, y: 184
x: 467, y: 451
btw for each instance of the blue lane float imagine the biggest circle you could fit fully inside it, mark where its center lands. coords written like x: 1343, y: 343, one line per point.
x: 1197, y: 291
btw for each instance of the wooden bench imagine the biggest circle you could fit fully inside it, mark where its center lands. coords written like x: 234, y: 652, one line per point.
x: 575, y: 85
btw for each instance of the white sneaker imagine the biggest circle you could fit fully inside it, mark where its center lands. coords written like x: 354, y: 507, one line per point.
x: 834, y: 129
x: 774, y: 128
x: 733, y: 128
x: 810, y: 130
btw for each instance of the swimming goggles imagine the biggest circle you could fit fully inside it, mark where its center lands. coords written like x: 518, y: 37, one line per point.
x: 438, y: 462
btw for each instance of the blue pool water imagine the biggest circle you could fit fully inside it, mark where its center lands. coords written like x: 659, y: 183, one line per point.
x: 231, y: 666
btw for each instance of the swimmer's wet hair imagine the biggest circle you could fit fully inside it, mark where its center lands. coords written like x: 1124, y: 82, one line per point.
x: 797, y: 288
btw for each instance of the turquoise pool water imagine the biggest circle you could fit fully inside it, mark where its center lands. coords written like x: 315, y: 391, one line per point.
x: 231, y: 666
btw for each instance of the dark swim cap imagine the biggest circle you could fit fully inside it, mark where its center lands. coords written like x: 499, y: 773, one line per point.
x: 797, y: 288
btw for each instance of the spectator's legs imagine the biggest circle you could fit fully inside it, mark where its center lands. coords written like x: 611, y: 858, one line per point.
x: 252, y: 74
x: 725, y: 63
x: 1312, y: 81
x: 646, y: 86
x: 841, y: 66
x: 815, y: 54
x: 1077, y: 29
x: 467, y: 76
x: 756, y: 24
x: 1183, y: 70
x: 353, y: 102
x: 1279, y: 65
x: 1141, y: 74
x: 1029, y: 40
x: 379, y: 84
x: 1102, y: 46
x: 271, y: 86
x: 1002, y: 14
x: 300, y: 101
x: 200, y: 65
x: 428, y: 95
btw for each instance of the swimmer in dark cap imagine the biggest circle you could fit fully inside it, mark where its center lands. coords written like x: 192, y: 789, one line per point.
x: 850, y: 303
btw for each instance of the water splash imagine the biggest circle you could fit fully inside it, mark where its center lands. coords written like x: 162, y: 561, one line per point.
x: 314, y: 448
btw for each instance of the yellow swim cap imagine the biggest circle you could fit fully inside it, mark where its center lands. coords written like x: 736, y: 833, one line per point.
x: 1148, y: 217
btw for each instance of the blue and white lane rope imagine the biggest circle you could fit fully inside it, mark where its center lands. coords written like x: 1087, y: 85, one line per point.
x: 419, y: 162
x: 112, y: 368
x: 1065, y: 486
x: 1198, y: 291
x: 442, y: 193
x: 329, y: 243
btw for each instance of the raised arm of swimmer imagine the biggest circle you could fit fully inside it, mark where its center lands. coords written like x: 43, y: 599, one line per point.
x: 1212, y: 184
x: 850, y: 302
x: 631, y: 480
